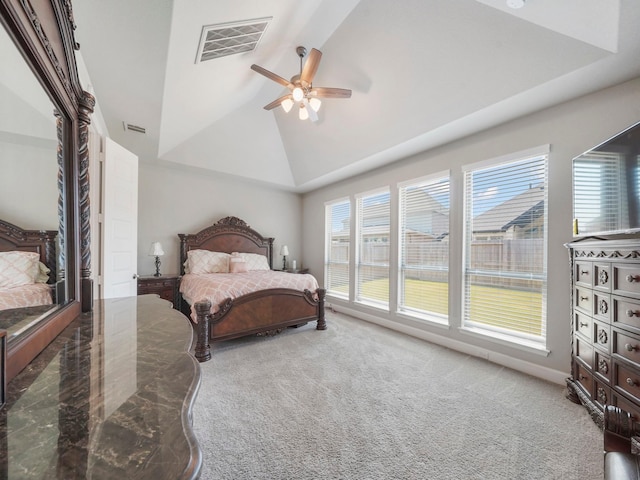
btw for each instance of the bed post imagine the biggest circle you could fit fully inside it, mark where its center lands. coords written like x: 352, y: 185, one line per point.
x: 203, y: 350
x: 322, y: 324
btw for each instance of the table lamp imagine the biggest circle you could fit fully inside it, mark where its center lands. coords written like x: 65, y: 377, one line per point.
x: 156, y: 251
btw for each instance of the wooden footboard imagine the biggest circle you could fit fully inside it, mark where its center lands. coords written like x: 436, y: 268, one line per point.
x: 255, y: 313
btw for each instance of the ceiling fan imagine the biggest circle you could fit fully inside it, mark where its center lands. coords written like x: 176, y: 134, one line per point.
x: 302, y: 91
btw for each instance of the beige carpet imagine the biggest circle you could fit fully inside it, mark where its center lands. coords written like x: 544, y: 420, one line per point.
x: 359, y: 401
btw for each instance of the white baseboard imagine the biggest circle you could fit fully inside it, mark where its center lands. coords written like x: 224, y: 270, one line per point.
x: 548, y: 374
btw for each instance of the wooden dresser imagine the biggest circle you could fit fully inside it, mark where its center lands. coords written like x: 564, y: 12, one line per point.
x: 605, y: 308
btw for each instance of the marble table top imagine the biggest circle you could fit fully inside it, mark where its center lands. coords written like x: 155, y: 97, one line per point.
x: 109, y: 398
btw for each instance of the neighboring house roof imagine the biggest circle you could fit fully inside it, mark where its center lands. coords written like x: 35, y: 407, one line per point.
x: 520, y: 210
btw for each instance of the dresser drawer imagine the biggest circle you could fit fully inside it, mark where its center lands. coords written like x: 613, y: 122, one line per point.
x: 584, y: 351
x: 583, y: 273
x: 602, y: 335
x: 626, y: 405
x: 627, y: 379
x: 602, y: 306
x: 601, y: 394
x: 626, y: 312
x: 627, y: 346
x: 602, y: 365
x: 584, y: 377
x: 626, y: 280
x: 583, y: 299
x: 584, y: 325
x: 602, y: 277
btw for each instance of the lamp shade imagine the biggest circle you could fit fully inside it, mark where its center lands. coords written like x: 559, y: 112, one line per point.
x: 284, y: 251
x: 156, y: 250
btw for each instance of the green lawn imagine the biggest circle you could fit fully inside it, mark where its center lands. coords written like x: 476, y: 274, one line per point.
x: 493, y: 306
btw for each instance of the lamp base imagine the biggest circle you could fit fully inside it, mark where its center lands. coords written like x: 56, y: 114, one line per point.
x: 157, y: 274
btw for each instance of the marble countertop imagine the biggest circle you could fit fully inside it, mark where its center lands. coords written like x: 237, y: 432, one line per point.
x: 109, y: 398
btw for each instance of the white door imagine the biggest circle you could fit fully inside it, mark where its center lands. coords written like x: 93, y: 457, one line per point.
x: 120, y: 221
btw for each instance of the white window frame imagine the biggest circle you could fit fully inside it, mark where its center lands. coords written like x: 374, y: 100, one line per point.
x: 503, y: 335
x: 359, y: 265
x: 404, y: 309
x: 328, y: 260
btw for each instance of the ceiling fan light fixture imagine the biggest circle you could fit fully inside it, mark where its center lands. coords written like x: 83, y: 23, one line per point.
x: 302, y: 113
x: 298, y: 94
x: 287, y: 105
x: 315, y: 103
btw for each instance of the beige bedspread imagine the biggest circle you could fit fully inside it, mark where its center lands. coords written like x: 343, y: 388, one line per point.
x: 217, y: 287
x: 25, y: 296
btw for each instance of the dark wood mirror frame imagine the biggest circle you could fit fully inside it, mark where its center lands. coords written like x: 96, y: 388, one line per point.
x: 43, y: 31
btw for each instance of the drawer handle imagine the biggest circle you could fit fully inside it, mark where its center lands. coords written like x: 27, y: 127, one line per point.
x: 633, y: 313
x: 584, y: 299
x: 630, y: 348
x: 583, y: 324
x: 631, y: 382
x: 633, y: 278
x: 584, y: 272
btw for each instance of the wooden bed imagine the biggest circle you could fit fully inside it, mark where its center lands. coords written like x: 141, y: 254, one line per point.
x: 257, y: 312
x: 43, y: 242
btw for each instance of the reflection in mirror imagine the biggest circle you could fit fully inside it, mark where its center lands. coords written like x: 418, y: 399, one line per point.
x: 31, y: 276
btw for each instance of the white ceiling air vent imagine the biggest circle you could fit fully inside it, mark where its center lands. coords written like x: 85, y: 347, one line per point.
x: 133, y: 128
x: 230, y: 38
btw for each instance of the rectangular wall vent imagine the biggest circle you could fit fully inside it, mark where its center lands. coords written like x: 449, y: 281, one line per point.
x: 230, y: 38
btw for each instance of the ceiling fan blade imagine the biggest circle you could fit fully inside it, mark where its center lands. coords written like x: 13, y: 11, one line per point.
x: 272, y: 76
x: 329, y: 92
x: 311, y: 66
x: 277, y: 102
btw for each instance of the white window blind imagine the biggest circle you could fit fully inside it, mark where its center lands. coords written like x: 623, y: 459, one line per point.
x: 373, y: 217
x: 505, y: 243
x: 424, y: 248
x: 600, y: 192
x: 337, y: 247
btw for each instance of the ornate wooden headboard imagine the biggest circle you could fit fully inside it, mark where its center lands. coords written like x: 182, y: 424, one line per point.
x: 42, y: 242
x: 228, y: 235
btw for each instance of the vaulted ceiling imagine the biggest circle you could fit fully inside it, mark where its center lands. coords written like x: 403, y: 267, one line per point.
x: 422, y: 72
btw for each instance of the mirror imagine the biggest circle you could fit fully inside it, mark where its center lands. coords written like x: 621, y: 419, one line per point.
x: 28, y: 189
x: 49, y: 186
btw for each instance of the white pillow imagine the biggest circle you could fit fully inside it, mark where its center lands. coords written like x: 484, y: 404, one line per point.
x: 256, y: 261
x: 43, y: 273
x: 204, y: 261
x: 18, y: 268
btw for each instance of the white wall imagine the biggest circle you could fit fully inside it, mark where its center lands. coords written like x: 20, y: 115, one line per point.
x: 570, y: 129
x: 179, y: 199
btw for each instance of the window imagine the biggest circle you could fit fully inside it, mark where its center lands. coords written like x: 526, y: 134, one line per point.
x: 424, y: 248
x: 372, y: 282
x: 337, y: 247
x: 505, y: 242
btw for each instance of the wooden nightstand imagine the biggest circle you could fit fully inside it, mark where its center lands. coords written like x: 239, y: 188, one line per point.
x: 167, y: 286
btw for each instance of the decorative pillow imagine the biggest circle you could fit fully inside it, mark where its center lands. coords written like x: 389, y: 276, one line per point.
x: 43, y: 273
x: 204, y: 261
x: 237, y: 263
x: 256, y: 261
x: 18, y: 268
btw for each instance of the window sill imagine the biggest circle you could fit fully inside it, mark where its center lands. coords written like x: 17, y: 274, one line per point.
x: 519, y: 344
x: 425, y: 318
